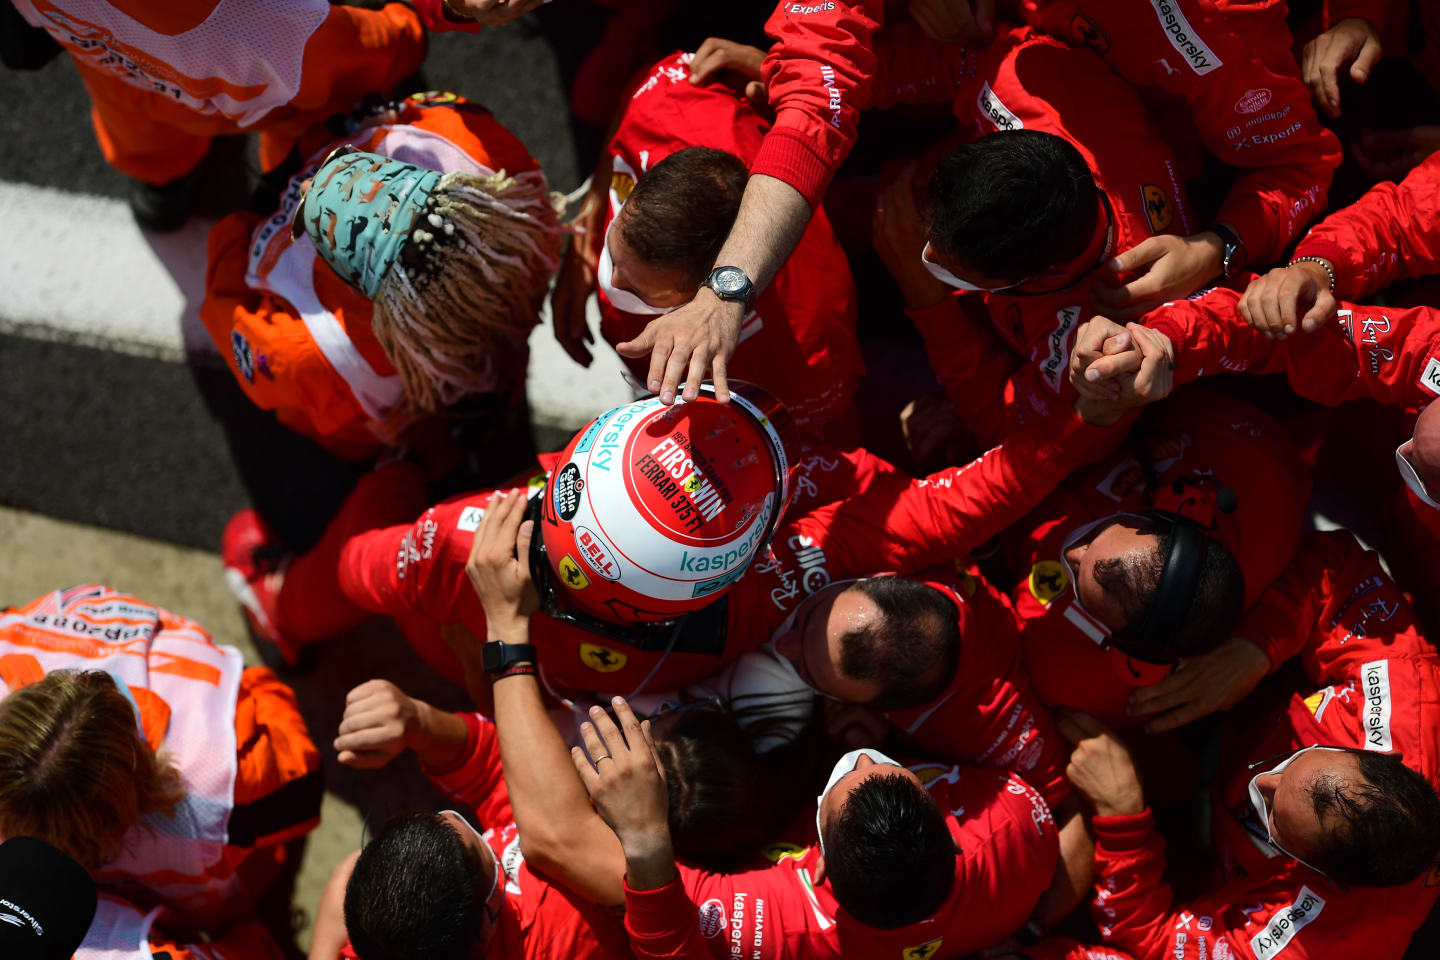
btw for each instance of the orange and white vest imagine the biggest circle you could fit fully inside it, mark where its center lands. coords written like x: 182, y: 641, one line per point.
x: 286, y: 267
x: 184, y: 687
x: 241, y: 61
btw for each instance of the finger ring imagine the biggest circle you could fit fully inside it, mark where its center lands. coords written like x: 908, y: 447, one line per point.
x: 603, y: 756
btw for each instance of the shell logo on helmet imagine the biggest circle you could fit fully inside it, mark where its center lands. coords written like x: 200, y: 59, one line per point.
x: 661, y: 509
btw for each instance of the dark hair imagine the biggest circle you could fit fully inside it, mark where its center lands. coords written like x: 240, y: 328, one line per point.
x: 1219, y: 593
x: 416, y: 893
x: 1012, y: 204
x: 715, y: 788
x: 913, y: 650
x: 889, y: 857
x: 1386, y: 831
x: 681, y: 210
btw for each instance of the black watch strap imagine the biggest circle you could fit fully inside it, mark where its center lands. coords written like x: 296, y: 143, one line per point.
x: 1233, y: 256
x: 499, y: 656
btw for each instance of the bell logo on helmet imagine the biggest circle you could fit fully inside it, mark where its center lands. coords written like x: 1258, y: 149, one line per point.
x: 571, y: 574
x: 596, y: 555
x: 602, y: 659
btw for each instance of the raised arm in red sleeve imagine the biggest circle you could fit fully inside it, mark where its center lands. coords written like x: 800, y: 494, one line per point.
x: 1389, y: 234
x: 1231, y: 65
x: 1389, y: 355
x: 913, y: 68
x: 1136, y: 911
x: 1318, y: 579
x: 944, y: 516
x: 818, y: 74
x: 662, y: 924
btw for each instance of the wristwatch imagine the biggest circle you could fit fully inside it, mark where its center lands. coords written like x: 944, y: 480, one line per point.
x: 1234, y: 256
x: 731, y: 283
x: 496, y: 656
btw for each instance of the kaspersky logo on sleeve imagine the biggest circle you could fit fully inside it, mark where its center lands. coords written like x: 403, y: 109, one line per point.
x: 1183, y: 37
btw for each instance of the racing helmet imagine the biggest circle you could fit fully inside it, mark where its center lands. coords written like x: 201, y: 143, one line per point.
x: 655, y: 511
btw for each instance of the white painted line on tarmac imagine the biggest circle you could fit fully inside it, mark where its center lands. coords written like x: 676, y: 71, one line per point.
x: 75, y: 268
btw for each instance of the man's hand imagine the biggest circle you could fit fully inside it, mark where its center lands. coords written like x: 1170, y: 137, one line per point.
x: 622, y: 772
x: 380, y: 721
x: 1201, y: 685
x: 715, y: 56
x: 898, y: 234
x: 1352, y: 41
x: 933, y: 431
x: 683, y: 343
x: 576, y: 279
x: 491, y: 13
x: 499, y: 567
x: 954, y: 21
x: 1137, y: 363
x: 1287, y: 299
x: 1391, y: 154
x: 1100, y: 766
x: 1178, y: 266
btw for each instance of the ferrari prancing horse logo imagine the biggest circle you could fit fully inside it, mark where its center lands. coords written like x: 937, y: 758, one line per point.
x: 602, y: 659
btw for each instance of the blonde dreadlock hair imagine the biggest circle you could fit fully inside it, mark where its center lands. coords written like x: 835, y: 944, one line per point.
x: 467, y: 287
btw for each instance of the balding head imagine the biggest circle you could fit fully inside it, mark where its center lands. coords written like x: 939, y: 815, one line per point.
x: 1422, y: 452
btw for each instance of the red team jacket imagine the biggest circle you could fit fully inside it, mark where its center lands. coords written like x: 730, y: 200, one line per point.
x: 1228, y: 65
x: 1371, y: 681
x: 799, y: 337
x: 1026, y: 80
x: 853, y: 515
x: 539, y: 920
x: 1199, y: 440
x: 1007, y: 852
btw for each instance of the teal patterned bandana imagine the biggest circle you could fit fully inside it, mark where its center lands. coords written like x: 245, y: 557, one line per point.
x: 359, y: 212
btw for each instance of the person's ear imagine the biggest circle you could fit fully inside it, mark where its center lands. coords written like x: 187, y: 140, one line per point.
x: 819, y: 876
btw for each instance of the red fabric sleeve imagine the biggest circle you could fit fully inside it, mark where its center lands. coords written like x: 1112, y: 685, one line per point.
x: 477, y: 779
x: 433, y: 17
x: 1291, y: 158
x: 1299, y: 604
x: 971, y: 362
x: 1392, y: 356
x: 911, y: 67
x: 1135, y: 909
x: 946, y: 515
x: 661, y: 924
x: 818, y: 74
x: 1391, y: 233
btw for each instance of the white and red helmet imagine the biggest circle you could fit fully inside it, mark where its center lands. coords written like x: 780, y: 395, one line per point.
x: 654, y: 511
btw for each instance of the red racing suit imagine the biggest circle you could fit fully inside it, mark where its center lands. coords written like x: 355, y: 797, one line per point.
x: 1389, y: 355
x: 539, y: 920
x: 1007, y: 848
x: 1371, y: 681
x: 1226, y: 67
x: 1190, y: 448
x: 818, y: 75
x: 798, y: 340
x: 298, y: 338
x: 852, y: 515
x: 1026, y: 80
x: 1391, y: 233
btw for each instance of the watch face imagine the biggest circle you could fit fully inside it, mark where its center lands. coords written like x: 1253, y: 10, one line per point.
x: 730, y: 280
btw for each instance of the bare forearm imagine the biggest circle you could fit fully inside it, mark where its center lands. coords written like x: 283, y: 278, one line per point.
x: 773, y: 216
x: 544, y: 791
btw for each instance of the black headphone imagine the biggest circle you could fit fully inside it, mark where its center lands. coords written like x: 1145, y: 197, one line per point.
x: 1152, y: 639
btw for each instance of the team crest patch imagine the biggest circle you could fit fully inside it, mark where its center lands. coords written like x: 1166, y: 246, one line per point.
x: 924, y: 951
x: 1048, y: 580
x: 571, y: 573
x: 244, y: 356
x: 602, y: 659
x: 1159, y: 211
x: 1085, y: 32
